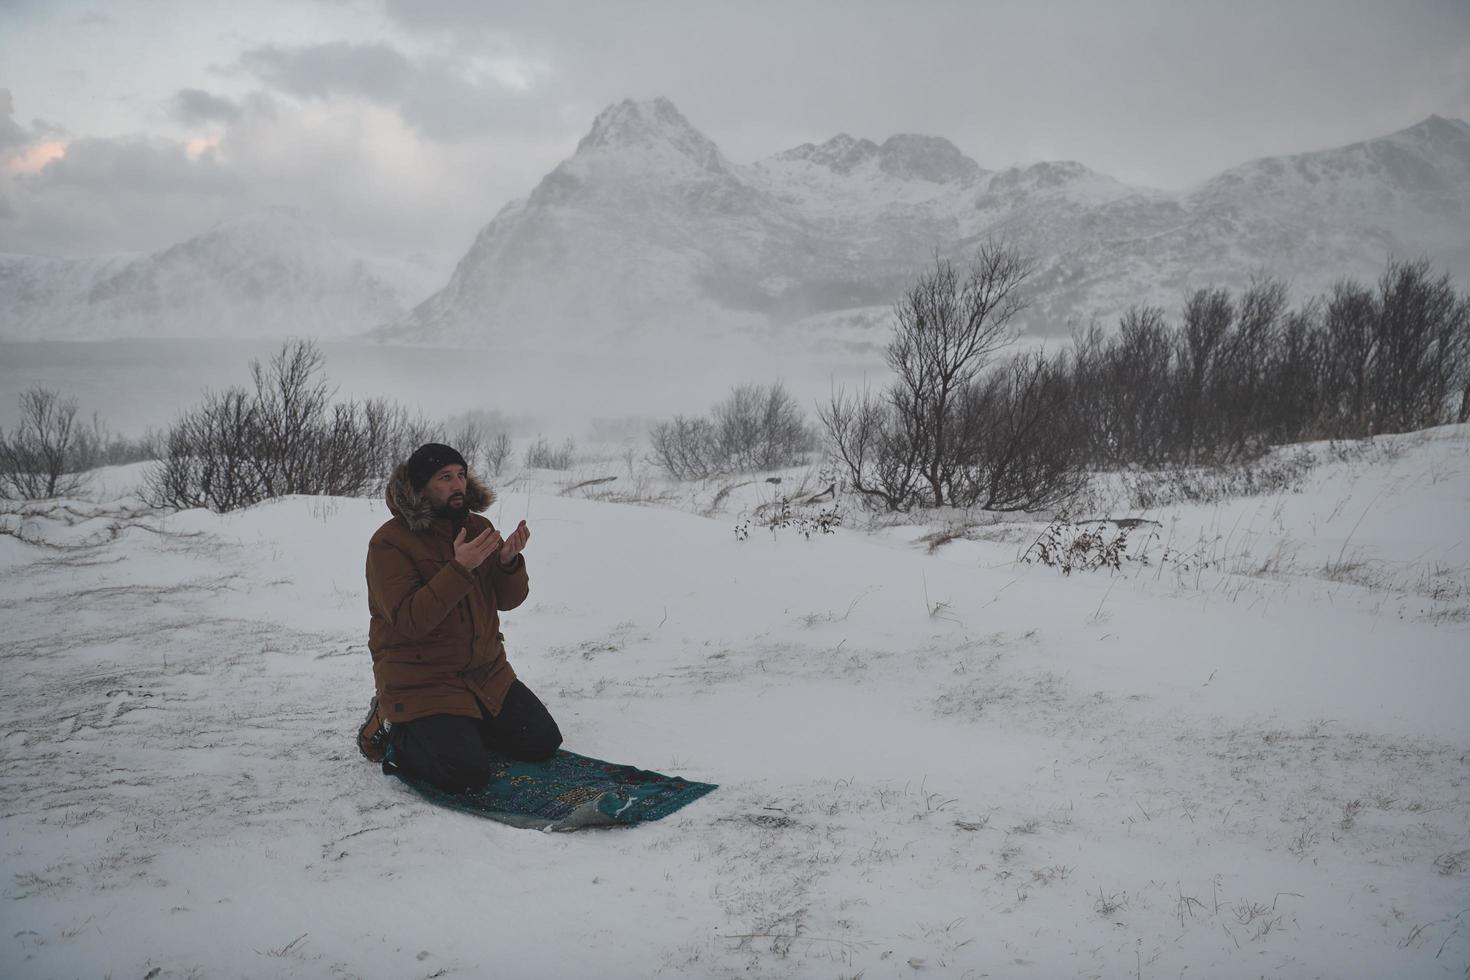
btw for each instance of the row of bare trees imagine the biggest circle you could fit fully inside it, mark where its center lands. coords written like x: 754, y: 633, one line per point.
x: 51, y: 450
x: 287, y: 434
x: 1240, y: 374
x: 958, y: 425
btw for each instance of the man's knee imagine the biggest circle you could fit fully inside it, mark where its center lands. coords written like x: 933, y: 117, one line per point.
x: 524, y: 729
x: 444, y: 751
x: 542, y: 744
x: 465, y: 773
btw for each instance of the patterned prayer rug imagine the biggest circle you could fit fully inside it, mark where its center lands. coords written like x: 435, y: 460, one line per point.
x: 567, y: 792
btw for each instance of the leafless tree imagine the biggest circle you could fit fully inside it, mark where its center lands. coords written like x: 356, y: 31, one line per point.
x: 1023, y: 448
x: 867, y: 434
x: 1123, y: 386
x: 1423, y: 335
x: 290, y: 411
x: 1208, y: 316
x: 1351, y: 357
x: 760, y: 427
x: 542, y: 455
x: 947, y: 327
x: 208, y: 457
x: 756, y: 427
x: 684, y: 447
x: 39, y: 458
x: 498, y: 451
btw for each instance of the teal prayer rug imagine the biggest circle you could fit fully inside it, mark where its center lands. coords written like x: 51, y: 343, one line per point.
x: 567, y: 792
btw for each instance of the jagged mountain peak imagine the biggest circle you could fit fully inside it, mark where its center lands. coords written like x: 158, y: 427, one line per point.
x: 1437, y: 127
x: 911, y: 156
x: 655, y: 125
x: 1432, y: 156
x: 1057, y: 177
x: 840, y: 154
x: 906, y: 156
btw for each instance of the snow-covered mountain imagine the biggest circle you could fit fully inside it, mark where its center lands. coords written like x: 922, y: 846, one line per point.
x: 648, y: 231
x: 267, y: 273
x: 649, y: 226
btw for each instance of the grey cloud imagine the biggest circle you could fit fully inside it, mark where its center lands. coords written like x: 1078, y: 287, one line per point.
x: 135, y: 164
x: 1151, y: 91
x: 14, y: 136
x: 192, y: 106
x: 318, y: 71
x: 131, y: 194
x: 119, y: 195
x: 12, y: 133
x: 438, y: 97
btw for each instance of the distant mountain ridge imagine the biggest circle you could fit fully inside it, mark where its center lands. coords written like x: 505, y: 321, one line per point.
x: 265, y: 273
x: 647, y: 231
x: 647, y: 227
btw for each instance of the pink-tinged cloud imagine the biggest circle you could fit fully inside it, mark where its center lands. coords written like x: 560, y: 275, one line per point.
x: 32, y: 158
x: 200, y: 145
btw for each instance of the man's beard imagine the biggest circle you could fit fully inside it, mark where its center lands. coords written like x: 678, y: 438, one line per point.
x: 449, y: 510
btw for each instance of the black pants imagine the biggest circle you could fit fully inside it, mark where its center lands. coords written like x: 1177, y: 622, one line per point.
x: 449, y: 750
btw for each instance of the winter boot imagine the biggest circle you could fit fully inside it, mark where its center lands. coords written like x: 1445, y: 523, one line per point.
x: 372, y: 737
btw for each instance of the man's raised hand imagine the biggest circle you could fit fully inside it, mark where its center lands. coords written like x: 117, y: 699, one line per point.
x: 471, y: 553
x: 514, y: 544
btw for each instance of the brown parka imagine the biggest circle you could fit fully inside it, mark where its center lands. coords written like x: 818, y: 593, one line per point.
x: 435, y: 631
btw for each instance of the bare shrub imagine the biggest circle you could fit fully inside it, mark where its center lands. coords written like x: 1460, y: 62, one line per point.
x: 1241, y: 373
x: 1422, y: 347
x: 947, y: 328
x: 482, y: 438
x: 1280, y: 473
x: 497, y: 451
x: 760, y: 427
x: 542, y: 455
x: 39, y: 459
x: 207, y: 458
x: 685, y: 447
x: 880, y: 454
x: 284, y: 435
x: 1016, y: 442
x: 951, y: 429
x: 1084, y: 547
x: 1124, y: 387
x: 756, y: 427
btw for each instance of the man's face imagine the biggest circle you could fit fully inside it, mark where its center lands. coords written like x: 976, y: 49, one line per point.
x: 445, y: 490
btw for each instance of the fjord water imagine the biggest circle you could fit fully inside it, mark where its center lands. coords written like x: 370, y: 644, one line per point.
x: 134, y: 385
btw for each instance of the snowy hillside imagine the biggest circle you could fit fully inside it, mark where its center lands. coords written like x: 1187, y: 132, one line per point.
x: 1248, y: 760
x: 265, y: 274
x: 647, y: 226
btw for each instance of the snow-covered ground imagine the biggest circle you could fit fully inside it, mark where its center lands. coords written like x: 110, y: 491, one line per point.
x: 1247, y: 760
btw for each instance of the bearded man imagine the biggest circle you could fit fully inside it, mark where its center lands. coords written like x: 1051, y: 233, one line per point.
x: 438, y: 575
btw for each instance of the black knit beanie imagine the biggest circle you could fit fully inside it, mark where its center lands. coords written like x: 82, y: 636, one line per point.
x: 429, y: 459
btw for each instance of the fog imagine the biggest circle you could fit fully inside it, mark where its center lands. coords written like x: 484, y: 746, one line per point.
x: 601, y: 397
x: 398, y: 131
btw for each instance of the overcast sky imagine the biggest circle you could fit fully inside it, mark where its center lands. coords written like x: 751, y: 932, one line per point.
x: 404, y: 125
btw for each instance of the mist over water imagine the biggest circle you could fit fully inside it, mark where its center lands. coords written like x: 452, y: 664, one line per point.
x: 591, y: 395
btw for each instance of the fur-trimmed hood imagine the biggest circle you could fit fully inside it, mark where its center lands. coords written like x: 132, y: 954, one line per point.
x: 416, y: 510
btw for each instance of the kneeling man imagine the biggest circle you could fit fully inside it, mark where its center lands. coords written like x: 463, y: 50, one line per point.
x: 438, y: 575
